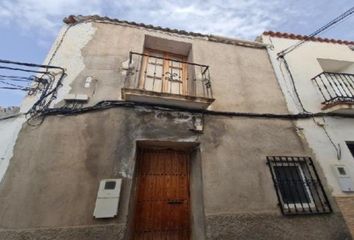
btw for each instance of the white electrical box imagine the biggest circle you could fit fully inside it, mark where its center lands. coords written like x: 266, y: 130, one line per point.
x: 344, y: 179
x: 107, y: 198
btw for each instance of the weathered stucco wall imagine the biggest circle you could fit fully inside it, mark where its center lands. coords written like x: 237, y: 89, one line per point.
x: 53, y: 177
x: 51, y: 184
x: 104, y: 47
x: 98, y: 50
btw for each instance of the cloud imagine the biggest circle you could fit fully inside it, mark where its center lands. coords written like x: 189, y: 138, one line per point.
x: 242, y: 18
x: 34, y: 15
x: 236, y: 18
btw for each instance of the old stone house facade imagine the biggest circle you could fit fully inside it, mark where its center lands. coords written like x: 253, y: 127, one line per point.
x: 157, y: 133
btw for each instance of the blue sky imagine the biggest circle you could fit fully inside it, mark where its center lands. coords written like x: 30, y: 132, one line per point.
x: 28, y: 27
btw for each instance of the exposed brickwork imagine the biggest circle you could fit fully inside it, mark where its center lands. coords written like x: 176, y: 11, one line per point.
x: 346, y: 205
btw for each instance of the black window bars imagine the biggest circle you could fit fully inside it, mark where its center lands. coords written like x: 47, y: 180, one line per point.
x: 298, y: 187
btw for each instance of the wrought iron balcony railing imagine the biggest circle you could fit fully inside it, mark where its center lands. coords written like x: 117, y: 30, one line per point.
x: 168, y: 76
x: 335, y: 87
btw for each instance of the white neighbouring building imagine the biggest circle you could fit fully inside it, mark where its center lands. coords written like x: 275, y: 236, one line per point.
x: 317, y: 77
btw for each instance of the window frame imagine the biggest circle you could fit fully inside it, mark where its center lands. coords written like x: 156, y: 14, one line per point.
x: 318, y: 201
x: 168, y: 59
x: 310, y: 203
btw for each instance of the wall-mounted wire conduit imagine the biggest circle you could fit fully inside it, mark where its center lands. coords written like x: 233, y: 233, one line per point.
x: 42, y: 81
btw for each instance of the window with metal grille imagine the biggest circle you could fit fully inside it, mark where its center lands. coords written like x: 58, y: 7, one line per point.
x: 298, y: 187
x: 351, y: 147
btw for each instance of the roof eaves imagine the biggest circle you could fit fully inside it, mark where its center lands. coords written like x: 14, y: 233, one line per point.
x: 306, y: 38
x: 72, y: 20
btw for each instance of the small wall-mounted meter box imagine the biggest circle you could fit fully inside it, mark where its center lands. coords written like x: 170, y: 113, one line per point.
x: 343, y: 177
x: 107, y: 198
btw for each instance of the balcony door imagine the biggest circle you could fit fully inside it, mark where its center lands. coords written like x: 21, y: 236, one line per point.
x: 163, y: 72
x: 162, y: 209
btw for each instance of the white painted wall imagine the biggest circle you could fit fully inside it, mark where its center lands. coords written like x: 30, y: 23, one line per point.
x: 304, y: 65
x: 9, y: 129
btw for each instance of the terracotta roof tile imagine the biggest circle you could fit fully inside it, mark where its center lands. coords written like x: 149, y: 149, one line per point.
x: 72, y: 20
x: 305, y: 37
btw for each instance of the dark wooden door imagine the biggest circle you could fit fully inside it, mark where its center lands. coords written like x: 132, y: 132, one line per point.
x: 162, y: 209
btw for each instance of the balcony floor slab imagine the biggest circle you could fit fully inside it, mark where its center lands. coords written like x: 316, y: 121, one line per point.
x: 167, y: 99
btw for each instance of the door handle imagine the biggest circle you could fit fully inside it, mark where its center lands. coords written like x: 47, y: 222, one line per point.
x: 175, y: 201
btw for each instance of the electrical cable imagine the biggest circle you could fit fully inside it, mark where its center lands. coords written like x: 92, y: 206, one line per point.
x: 288, y: 90
x: 59, y: 44
x: 45, y: 111
x: 336, y: 147
x: 44, y: 83
x: 13, y: 88
x: 293, y: 83
x: 17, y: 78
x: 47, y: 95
x: 281, y: 56
x: 21, y: 69
x: 103, y: 105
x: 19, y: 87
x: 30, y: 65
x: 318, y: 31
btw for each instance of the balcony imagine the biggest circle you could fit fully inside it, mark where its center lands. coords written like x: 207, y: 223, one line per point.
x: 155, y: 79
x: 337, y: 90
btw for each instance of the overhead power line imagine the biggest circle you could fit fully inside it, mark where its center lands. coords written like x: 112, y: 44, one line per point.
x: 318, y: 31
x: 43, y: 81
x: 281, y: 57
x: 281, y: 54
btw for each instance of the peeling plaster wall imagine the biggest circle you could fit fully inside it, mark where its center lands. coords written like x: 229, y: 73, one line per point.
x: 52, y: 180
x: 69, y: 55
x: 99, y: 50
x: 28, y: 101
x: 66, y: 52
x: 53, y: 177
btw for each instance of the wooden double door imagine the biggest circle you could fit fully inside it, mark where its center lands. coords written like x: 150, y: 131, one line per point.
x: 164, y: 72
x: 162, y: 209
